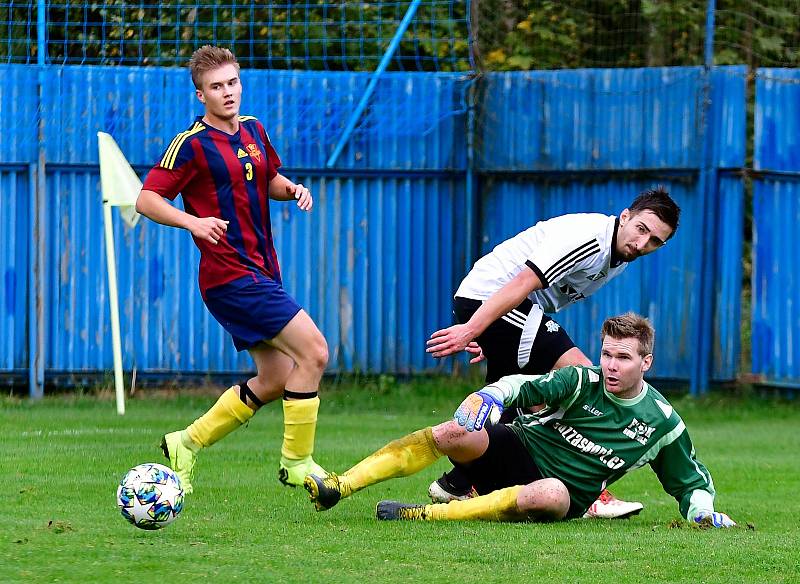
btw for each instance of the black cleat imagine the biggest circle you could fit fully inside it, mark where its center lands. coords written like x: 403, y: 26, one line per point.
x: 394, y: 510
x: 324, y: 492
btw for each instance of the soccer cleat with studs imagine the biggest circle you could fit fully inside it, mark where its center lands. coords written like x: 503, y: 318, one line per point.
x: 607, y: 506
x: 292, y: 473
x: 180, y: 458
x: 396, y: 511
x: 325, y: 491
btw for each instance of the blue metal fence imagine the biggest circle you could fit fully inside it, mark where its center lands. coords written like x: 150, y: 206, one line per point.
x: 377, y: 262
x: 374, y: 264
x: 776, y: 240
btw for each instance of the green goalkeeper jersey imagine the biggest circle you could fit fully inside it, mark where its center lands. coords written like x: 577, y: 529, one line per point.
x: 589, y: 438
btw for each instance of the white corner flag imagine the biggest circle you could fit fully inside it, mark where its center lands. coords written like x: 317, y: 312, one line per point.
x: 120, y: 187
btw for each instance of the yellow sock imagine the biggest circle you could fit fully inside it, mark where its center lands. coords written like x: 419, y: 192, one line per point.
x: 500, y: 505
x: 400, y: 458
x: 299, y: 428
x: 223, y: 418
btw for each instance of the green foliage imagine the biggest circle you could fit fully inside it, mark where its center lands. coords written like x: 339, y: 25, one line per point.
x: 546, y: 34
x: 338, y: 35
x: 62, y: 458
x: 318, y: 34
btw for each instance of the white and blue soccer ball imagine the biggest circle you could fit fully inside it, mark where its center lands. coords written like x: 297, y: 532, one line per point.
x: 150, y: 496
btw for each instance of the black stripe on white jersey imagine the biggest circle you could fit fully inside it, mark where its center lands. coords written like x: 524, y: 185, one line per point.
x: 578, y: 259
x: 570, y: 259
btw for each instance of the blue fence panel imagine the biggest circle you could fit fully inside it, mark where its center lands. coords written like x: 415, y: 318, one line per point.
x: 412, y: 126
x: 776, y: 241
x: 777, y: 119
x: 18, y: 113
x: 373, y: 264
x: 726, y: 342
x: 729, y: 143
x: 591, y: 119
x: 377, y: 261
x: 776, y: 290
x: 14, y: 264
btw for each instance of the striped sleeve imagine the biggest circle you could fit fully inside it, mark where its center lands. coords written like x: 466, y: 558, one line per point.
x: 179, y: 150
x: 175, y: 167
x: 553, y: 263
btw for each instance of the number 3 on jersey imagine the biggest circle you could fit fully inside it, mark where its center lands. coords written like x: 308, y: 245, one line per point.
x: 248, y: 169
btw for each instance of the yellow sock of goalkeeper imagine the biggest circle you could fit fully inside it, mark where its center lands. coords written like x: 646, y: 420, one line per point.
x: 223, y: 418
x: 500, y: 505
x: 402, y: 457
x: 299, y: 426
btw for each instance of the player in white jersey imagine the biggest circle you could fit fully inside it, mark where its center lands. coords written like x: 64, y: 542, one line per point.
x: 502, y: 303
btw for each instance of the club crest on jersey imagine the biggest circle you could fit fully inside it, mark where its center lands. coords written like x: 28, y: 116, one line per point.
x: 241, y: 153
x: 638, y: 431
x: 552, y: 326
x: 253, y: 151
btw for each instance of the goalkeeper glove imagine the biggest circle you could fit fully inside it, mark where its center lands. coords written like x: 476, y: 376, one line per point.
x: 477, y: 408
x: 714, y: 519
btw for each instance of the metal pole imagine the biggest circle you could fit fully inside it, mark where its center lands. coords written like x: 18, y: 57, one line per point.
x: 37, y: 175
x: 113, y: 298
x: 709, y: 192
x: 35, y: 390
x: 471, y: 201
x: 373, y: 82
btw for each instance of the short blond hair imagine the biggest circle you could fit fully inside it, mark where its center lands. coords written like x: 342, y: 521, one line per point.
x: 208, y: 58
x: 631, y: 326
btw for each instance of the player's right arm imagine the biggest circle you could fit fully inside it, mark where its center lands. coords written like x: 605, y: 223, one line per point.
x: 456, y: 338
x: 175, y: 170
x: 559, y: 387
x: 153, y: 206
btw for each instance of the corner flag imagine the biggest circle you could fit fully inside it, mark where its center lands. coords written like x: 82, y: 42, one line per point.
x: 120, y: 186
x: 120, y: 183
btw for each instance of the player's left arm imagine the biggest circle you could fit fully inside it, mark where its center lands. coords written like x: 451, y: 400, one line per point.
x: 686, y: 478
x: 282, y: 189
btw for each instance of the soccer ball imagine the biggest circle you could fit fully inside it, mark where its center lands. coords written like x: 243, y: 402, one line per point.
x: 150, y: 496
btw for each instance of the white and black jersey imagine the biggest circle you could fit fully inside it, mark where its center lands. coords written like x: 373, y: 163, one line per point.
x: 573, y: 256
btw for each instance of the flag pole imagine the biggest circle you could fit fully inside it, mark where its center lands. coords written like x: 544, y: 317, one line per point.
x: 113, y: 298
x: 120, y: 186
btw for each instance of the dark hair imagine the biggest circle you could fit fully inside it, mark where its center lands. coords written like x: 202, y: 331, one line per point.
x: 630, y: 326
x: 661, y: 204
x: 208, y: 58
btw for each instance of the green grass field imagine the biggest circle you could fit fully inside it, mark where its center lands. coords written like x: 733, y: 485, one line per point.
x: 61, y: 459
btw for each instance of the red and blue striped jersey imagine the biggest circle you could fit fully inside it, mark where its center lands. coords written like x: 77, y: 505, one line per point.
x: 224, y: 176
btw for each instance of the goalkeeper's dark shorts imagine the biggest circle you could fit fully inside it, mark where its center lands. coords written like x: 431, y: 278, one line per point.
x: 506, y: 463
x: 522, y: 341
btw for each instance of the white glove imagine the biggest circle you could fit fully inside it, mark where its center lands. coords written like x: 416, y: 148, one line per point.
x: 714, y: 519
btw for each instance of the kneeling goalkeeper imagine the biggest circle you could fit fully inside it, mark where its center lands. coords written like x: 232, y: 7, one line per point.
x: 598, y: 424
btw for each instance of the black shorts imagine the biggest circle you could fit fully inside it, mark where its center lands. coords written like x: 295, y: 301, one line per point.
x: 506, y: 463
x: 501, y: 340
